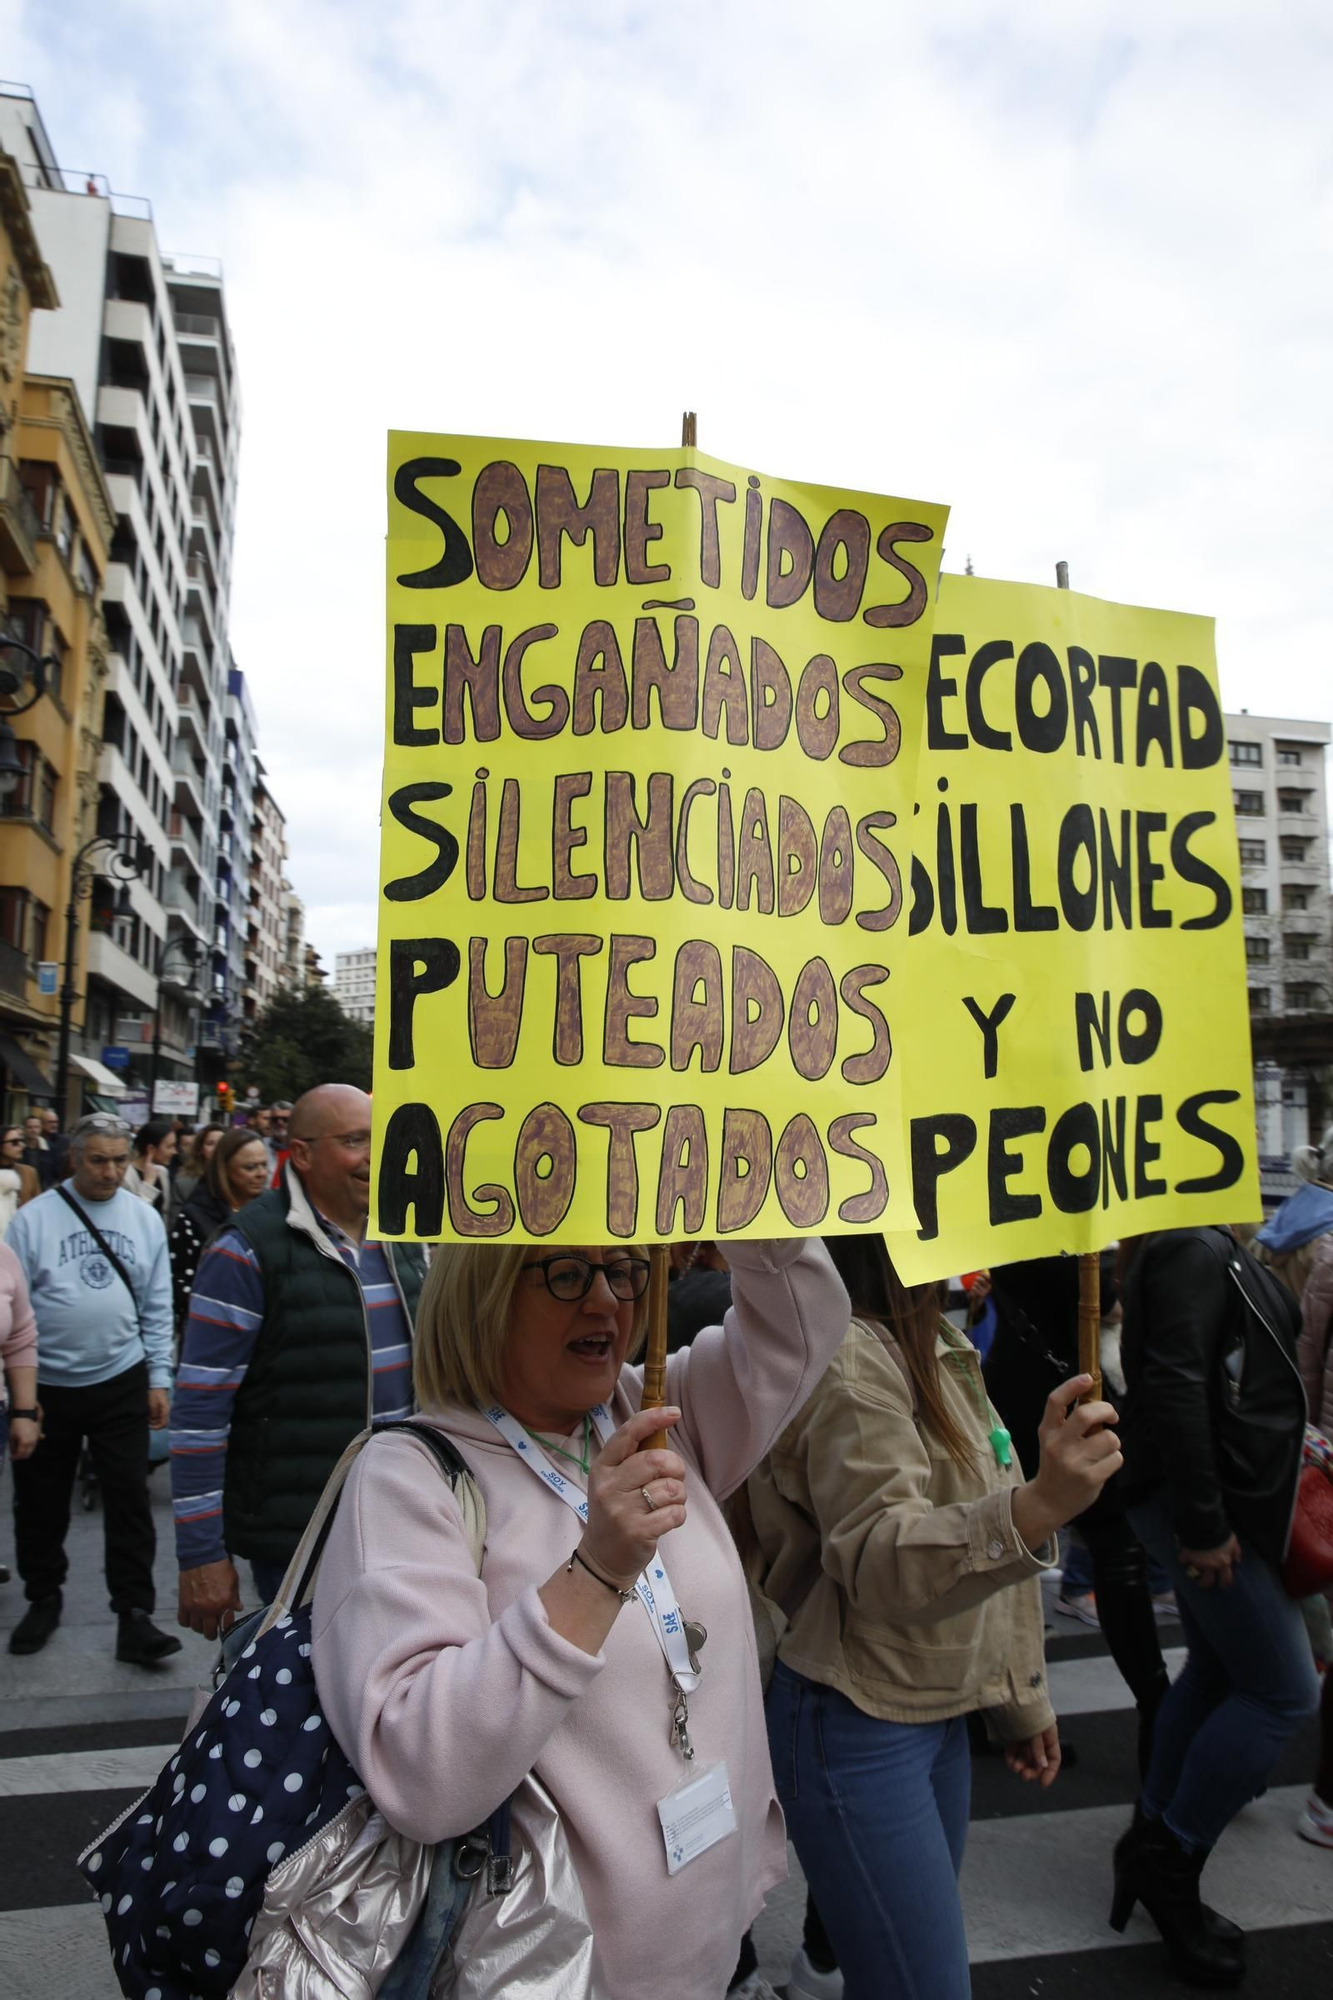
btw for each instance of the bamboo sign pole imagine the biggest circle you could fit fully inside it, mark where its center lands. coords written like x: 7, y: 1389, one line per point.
x: 1089, y: 1264
x: 654, y: 1360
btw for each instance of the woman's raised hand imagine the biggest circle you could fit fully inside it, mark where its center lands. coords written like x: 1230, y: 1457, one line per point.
x: 623, y: 1528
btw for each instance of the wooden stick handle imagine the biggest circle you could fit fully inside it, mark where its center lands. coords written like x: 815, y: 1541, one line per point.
x: 654, y: 1360
x: 1090, y: 1324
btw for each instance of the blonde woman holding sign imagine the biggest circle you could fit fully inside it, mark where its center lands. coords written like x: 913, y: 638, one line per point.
x: 579, y: 1654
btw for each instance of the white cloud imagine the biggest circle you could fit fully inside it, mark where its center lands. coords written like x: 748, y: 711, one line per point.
x: 1065, y: 268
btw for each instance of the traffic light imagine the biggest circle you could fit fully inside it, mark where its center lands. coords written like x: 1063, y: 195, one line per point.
x: 224, y: 1093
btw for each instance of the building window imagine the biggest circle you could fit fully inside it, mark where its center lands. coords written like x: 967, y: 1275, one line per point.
x: 1254, y: 902
x: 23, y: 922
x: 1259, y: 999
x: 1250, y: 804
x: 1253, y: 853
x: 18, y: 803
x: 1300, y: 999
x: 42, y: 482
x: 1295, y: 896
x: 1289, y: 756
x: 1247, y: 753
x: 27, y: 621
x: 1297, y: 947
x: 1256, y: 950
x: 1294, y: 849
x: 46, y: 796
x: 1293, y: 802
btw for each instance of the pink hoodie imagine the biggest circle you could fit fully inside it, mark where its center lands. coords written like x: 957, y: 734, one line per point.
x: 18, y: 1328
x: 445, y: 1689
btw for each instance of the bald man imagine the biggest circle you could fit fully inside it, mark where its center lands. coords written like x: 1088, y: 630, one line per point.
x: 299, y: 1334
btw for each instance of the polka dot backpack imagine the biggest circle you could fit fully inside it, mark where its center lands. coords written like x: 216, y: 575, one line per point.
x: 181, y: 1875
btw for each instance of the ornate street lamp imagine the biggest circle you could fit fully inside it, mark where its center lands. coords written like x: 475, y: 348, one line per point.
x: 20, y: 668
x: 121, y: 858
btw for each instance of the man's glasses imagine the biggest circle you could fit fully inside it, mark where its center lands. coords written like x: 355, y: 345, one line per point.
x: 102, y: 1121
x: 568, y: 1277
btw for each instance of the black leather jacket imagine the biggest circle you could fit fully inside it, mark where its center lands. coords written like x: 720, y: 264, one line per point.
x: 1215, y: 1409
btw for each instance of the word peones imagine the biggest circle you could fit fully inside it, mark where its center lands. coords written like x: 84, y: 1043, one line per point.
x: 737, y: 1016
x: 836, y: 564
x: 696, y: 1194
x: 1093, y: 1152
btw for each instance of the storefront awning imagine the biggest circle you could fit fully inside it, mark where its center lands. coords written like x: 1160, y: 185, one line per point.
x: 23, y: 1071
x: 106, y: 1080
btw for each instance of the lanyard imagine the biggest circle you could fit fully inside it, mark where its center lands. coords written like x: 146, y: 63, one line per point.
x: 653, y: 1585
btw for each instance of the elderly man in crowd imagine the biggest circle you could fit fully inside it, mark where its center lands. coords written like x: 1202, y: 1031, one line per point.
x: 299, y: 1334
x: 96, y: 1263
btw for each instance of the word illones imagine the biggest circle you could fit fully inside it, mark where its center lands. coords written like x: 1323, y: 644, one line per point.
x: 837, y: 564
x: 596, y: 694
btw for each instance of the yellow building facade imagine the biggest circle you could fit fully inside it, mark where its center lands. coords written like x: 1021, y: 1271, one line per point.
x: 56, y: 528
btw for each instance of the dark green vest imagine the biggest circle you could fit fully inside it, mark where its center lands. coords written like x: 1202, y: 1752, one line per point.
x: 307, y: 1390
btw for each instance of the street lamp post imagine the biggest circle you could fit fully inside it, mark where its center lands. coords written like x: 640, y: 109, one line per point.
x: 122, y: 857
x: 190, y: 954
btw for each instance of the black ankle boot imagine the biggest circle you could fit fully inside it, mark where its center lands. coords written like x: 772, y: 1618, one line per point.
x: 37, y: 1624
x: 142, y: 1643
x: 1153, y: 1868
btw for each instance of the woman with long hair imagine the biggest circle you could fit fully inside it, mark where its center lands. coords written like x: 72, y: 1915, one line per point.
x: 236, y: 1173
x: 895, y: 1532
x: 18, y: 1182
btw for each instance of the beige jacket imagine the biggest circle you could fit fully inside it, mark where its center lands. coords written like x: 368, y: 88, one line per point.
x: 1315, y: 1349
x: 906, y: 1583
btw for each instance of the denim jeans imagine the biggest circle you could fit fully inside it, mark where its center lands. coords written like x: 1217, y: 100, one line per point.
x: 877, y: 1812
x: 1247, y: 1684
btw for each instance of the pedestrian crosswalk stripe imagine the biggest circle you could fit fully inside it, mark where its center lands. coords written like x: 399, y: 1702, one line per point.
x: 82, y: 1771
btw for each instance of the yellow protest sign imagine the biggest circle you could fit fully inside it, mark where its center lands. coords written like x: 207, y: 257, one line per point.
x: 652, y: 729
x: 1072, y: 1020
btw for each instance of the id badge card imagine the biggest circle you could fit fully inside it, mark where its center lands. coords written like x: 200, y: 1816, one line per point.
x: 696, y: 1817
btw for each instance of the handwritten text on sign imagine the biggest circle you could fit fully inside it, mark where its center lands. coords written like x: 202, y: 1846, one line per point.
x: 653, y: 724
x: 1073, y: 1033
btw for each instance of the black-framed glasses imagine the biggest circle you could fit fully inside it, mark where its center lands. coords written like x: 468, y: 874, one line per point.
x: 568, y: 1277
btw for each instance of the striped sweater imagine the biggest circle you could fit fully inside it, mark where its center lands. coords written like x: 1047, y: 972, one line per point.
x: 226, y: 1311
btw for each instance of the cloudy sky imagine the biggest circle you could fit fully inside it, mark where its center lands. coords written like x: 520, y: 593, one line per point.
x: 1065, y: 267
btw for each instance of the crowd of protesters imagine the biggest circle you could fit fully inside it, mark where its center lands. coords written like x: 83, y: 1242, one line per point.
x: 856, y: 1507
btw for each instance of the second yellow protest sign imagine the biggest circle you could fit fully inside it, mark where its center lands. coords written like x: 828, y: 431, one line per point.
x: 652, y: 732
x: 1071, y: 1019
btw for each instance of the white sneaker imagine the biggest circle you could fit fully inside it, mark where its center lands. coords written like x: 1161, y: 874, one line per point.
x: 804, y: 1983
x: 756, y: 1987
x: 1316, y: 1822
x: 1083, y: 1608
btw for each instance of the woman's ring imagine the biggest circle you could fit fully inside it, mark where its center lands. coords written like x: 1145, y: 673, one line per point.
x: 1192, y: 1573
x: 648, y: 1499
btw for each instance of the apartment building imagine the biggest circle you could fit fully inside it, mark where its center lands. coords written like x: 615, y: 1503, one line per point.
x: 266, y: 945
x: 112, y: 335
x: 56, y: 524
x: 224, y: 1019
x: 1279, y: 789
x: 354, y: 983
x: 293, y: 939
